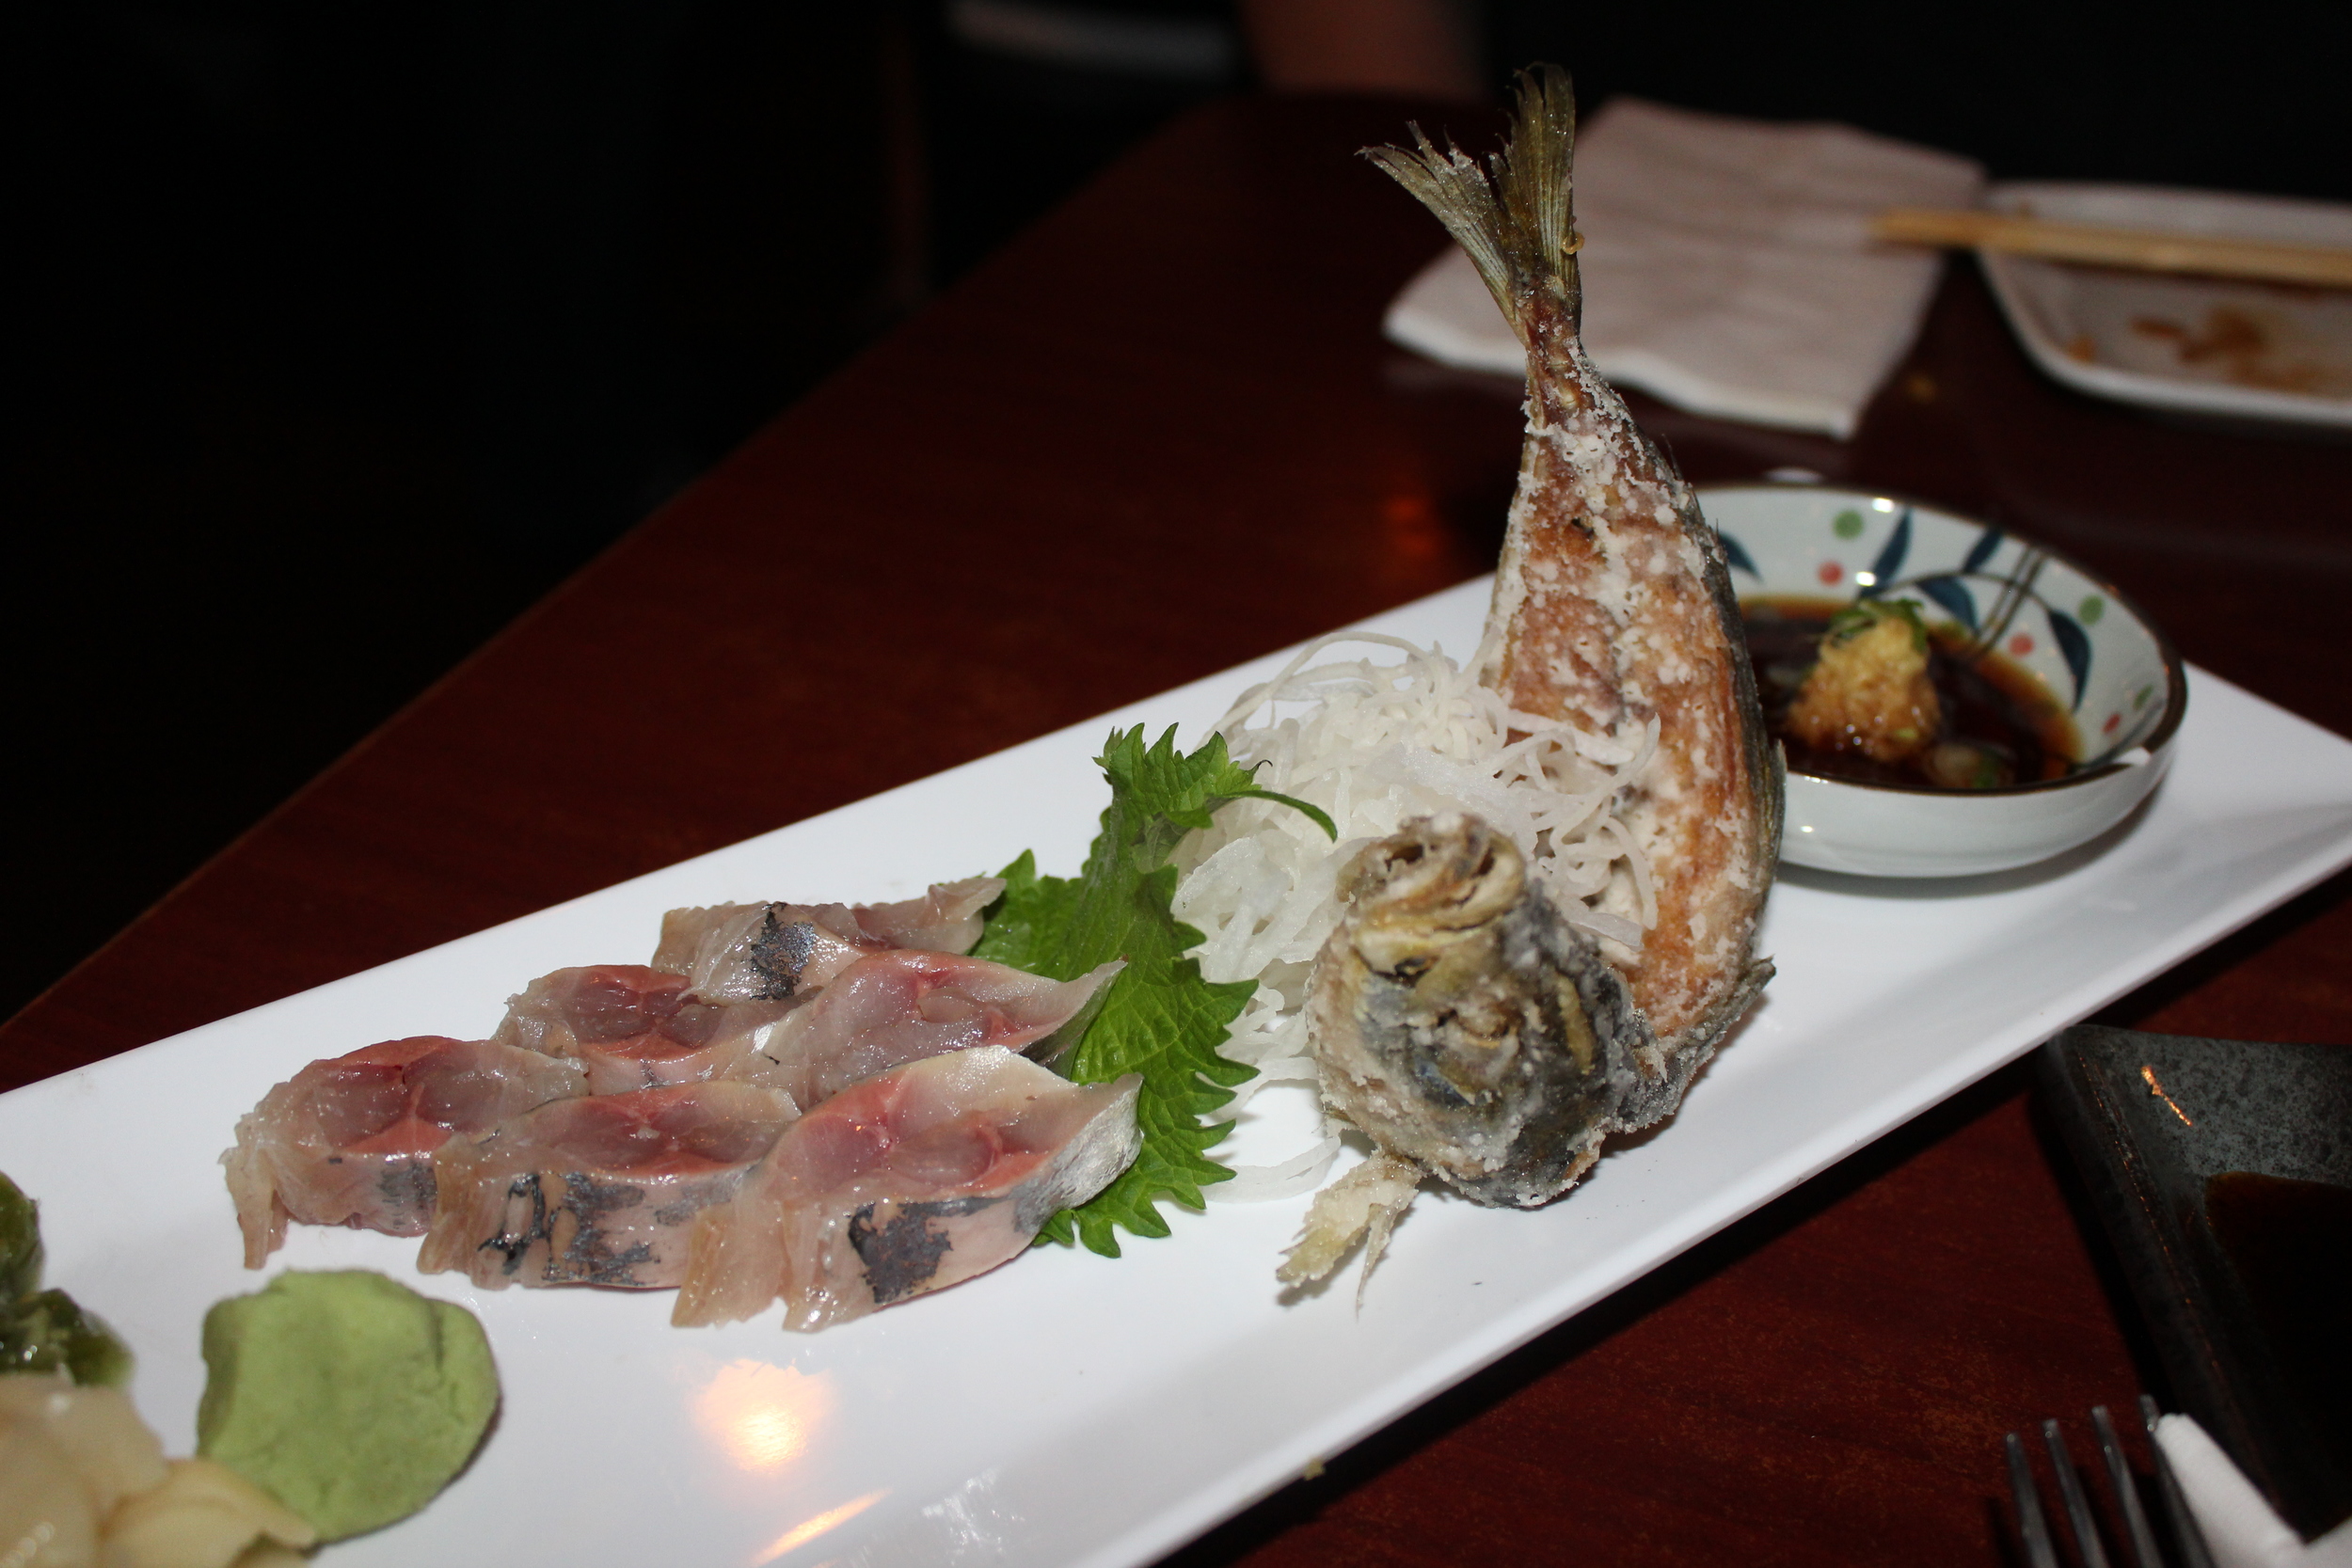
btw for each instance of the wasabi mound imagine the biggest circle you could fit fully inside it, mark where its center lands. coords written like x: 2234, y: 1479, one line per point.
x: 349, y: 1398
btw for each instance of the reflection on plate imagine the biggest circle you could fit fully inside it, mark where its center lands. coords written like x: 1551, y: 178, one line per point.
x: 1072, y: 1409
x: 2222, y: 1171
x: 2254, y: 351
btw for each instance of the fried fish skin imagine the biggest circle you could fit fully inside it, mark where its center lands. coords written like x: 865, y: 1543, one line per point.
x: 1613, y: 605
x: 1462, y: 1023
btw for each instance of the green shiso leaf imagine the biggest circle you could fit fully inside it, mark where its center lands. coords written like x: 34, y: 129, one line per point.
x: 1160, y: 1018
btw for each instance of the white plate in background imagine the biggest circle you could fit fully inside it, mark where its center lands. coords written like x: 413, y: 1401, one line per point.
x: 2270, y: 352
x: 1071, y: 1409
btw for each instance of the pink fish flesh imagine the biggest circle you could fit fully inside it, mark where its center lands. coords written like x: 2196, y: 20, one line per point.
x: 769, y: 952
x: 353, y: 1140
x: 920, y: 1179
x: 632, y: 1027
x: 946, y: 919
x: 601, y: 1004
x: 893, y: 1008
x: 596, y: 1190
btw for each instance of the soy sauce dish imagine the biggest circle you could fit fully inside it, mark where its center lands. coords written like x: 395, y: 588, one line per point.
x: 2056, y: 701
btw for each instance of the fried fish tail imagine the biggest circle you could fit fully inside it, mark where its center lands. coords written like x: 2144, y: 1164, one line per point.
x: 1612, y: 607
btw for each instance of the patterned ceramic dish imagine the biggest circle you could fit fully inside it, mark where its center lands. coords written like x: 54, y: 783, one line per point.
x: 2112, y: 671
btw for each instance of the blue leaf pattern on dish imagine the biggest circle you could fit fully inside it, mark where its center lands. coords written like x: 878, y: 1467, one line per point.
x: 1737, y: 554
x: 1981, y: 551
x: 1952, y: 596
x: 1890, y: 559
x: 2074, y: 647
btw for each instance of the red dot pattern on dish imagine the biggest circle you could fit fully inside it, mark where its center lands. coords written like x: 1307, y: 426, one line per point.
x: 1830, y: 574
x: 2019, y: 646
x: 2113, y: 720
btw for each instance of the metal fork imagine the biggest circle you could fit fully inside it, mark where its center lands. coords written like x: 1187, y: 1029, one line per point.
x: 2139, y: 1539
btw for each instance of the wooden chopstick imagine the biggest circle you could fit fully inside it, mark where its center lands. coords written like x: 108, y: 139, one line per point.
x: 2149, y: 249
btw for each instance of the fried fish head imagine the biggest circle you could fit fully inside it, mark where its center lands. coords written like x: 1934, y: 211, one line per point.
x: 1462, y: 1023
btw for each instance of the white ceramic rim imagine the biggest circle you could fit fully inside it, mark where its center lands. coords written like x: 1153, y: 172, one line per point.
x: 2243, y: 405
x: 2175, y: 673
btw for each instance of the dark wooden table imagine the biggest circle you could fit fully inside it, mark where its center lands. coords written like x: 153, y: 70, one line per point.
x: 1161, y: 434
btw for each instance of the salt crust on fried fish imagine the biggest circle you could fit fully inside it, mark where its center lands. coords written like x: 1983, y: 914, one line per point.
x: 1613, y: 614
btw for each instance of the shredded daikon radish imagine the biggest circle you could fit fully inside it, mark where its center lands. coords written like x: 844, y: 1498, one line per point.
x: 1301, y: 1173
x: 1377, y: 744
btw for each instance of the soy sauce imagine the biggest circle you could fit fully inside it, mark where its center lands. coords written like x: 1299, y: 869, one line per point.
x: 1989, y: 701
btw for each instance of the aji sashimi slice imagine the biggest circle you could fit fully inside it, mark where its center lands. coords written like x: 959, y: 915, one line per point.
x: 596, y: 1005
x: 633, y: 1027
x: 769, y: 952
x: 893, y: 1008
x: 946, y: 919
x: 907, y: 1182
x: 353, y: 1140
x: 596, y: 1190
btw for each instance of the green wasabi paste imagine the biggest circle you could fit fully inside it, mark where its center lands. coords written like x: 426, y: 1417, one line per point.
x: 346, y: 1396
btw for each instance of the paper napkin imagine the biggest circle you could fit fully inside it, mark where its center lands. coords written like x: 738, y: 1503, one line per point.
x: 2240, y: 1525
x: 1727, y: 265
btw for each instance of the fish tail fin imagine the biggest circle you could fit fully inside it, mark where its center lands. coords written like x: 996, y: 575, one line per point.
x: 1515, y: 216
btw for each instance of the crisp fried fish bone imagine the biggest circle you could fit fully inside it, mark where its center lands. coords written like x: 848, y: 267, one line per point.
x: 1613, y: 608
x: 1455, y: 1015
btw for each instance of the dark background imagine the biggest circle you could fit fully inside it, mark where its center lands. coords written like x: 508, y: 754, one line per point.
x: 349, y: 331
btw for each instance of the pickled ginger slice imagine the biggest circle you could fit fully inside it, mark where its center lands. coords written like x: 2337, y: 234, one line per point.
x: 596, y: 1190
x: 770, y: 952
x: 632, y: 1027
x: 890, y: 1009
x: 353, y: 1140
x: 920, y: 1179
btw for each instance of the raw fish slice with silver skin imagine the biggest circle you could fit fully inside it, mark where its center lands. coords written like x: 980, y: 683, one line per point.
x: 602, y: 1190
x: 908, y: 1183
x: 731, y: 1048
x: 1613, y: 605
x: 600, y: 1005
x: 633, y: 1027
x: 745, y: 952
x: 353, y: 1140
x: 893, y: 1007
x: 946, y: 919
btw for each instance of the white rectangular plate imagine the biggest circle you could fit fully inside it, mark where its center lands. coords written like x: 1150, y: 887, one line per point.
x: 2271, y: 353
x: 1070, y: 1409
